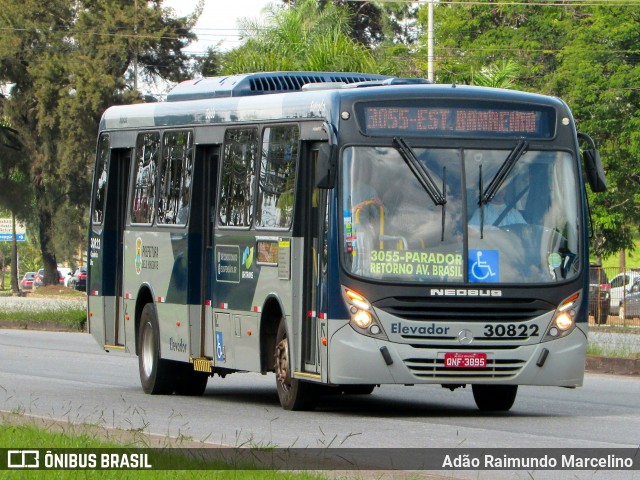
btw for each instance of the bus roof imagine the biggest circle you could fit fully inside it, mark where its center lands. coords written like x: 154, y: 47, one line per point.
x: 283, y: 95
x: 261, y: 84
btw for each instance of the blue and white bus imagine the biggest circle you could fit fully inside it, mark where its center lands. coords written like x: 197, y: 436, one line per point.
x: 343, y: 231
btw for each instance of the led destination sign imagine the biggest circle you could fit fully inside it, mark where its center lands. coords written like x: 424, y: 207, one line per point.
x: 457, y: 121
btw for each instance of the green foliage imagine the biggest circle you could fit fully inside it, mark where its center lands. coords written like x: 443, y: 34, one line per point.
x: 303, y: 37
x: 499, y: 75
x: 66, y: 317
x: 15, y: 187
x: 68, y: 61
x: 595, y: 75
x: 586, y: 55
x: 19, y: 433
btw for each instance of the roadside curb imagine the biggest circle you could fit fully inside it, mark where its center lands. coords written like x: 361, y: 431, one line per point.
x: 613, y: 365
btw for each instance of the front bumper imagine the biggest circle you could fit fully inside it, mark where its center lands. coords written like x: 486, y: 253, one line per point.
x: 357, y: 359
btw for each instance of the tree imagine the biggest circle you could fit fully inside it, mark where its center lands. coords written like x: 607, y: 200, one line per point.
x: 499, y: 75
x: 597, y: 74
x: 303, y: 37
x: 592, y: 64
x: 366, y: 20
x: 471, y: 36
x: 68, y: 60
x: 15, y: 192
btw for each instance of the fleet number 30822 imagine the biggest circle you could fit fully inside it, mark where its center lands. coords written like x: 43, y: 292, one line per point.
x: 510, y: 330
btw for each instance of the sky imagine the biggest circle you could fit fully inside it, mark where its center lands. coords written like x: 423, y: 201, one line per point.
x: 218, y: 21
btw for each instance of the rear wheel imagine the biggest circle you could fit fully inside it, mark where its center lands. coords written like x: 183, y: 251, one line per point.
x: 294, y: 394
x: 494, y: 398
x: 156, y: 374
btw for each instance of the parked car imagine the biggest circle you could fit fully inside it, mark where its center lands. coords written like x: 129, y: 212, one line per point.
x: 630, y: 308
x: 620, y: 286
x: 63, y: 275
x: 39, y: 279
x: 27, y: 281
x: 599, y: 295
x: 79, y: 279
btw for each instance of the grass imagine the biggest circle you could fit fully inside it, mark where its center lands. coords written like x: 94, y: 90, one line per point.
x: 604, y: 350
x: 18, y: 433
x: 65, y: 310
x: 67, y: 318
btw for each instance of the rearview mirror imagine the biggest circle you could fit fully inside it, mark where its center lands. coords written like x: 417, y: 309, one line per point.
x: 326, y: 166
x: 593, y: 165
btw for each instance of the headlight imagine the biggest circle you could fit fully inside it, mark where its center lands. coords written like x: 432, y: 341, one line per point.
x: 564, y: 319
x: 363, y: 318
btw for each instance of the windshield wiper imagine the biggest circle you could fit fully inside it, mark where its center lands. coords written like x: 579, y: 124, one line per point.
x: 487, y: 195
x: 503, y: 172
x: 420, y: 172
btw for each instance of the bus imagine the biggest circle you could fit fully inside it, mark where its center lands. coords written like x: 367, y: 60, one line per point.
x: 343, y: 231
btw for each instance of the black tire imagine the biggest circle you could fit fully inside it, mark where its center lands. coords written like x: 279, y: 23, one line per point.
x: 494, y: 398
x: 294, y: 394
x: 190, y: 382
x: 602, y: 315
x: 156, y: 375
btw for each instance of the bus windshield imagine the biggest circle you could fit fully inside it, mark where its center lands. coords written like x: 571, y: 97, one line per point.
x: 526, y: 231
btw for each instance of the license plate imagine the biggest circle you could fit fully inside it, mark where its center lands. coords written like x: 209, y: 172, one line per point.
x: 465, y: 360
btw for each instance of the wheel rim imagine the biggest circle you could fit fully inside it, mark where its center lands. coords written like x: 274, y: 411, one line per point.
x: 147, y: 349
x: 282, y: 364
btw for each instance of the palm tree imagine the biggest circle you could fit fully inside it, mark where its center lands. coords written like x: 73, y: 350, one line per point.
x: 302, y: 37
x: 499, y: 75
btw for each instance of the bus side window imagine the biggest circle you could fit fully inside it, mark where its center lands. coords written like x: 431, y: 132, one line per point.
x: 176, y: 178
x: 277, y: 176
x: 100, y: 188
x: 146, y: 168
x: 238, y: 177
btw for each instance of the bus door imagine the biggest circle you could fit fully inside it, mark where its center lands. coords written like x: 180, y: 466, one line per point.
x: 202, y: 222
x: 119, y: 168
x: 315, y: 277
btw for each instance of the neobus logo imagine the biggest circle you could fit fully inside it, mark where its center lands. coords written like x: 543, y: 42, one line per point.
x: 465, y: 292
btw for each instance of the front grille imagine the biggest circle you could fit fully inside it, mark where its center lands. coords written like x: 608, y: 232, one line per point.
x: 434, y: 368
x: 464, y: 309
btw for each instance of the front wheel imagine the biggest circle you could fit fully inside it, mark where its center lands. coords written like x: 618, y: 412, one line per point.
x: 294, y: 394
x: 156, y: 374
x: 494, y: 398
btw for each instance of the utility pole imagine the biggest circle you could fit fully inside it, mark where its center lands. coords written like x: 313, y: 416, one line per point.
x: 14, y: 256
x: 430, y: 55
x: 135, y: 39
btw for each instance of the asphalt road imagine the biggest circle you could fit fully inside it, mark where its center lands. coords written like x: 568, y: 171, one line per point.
x: 67, y: 376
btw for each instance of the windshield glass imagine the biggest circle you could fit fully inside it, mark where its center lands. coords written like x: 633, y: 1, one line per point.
x: 392, y: 229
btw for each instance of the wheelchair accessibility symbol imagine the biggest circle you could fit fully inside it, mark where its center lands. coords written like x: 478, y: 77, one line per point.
x: 484, y: 266
x: 219, y: 347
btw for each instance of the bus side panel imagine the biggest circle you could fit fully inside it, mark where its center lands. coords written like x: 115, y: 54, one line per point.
x: 95, y: 300
x: 129, y: 313
x: 247, y: 275
x: 158, y: 261
x: 96, y: 318
x: 297, y: 314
